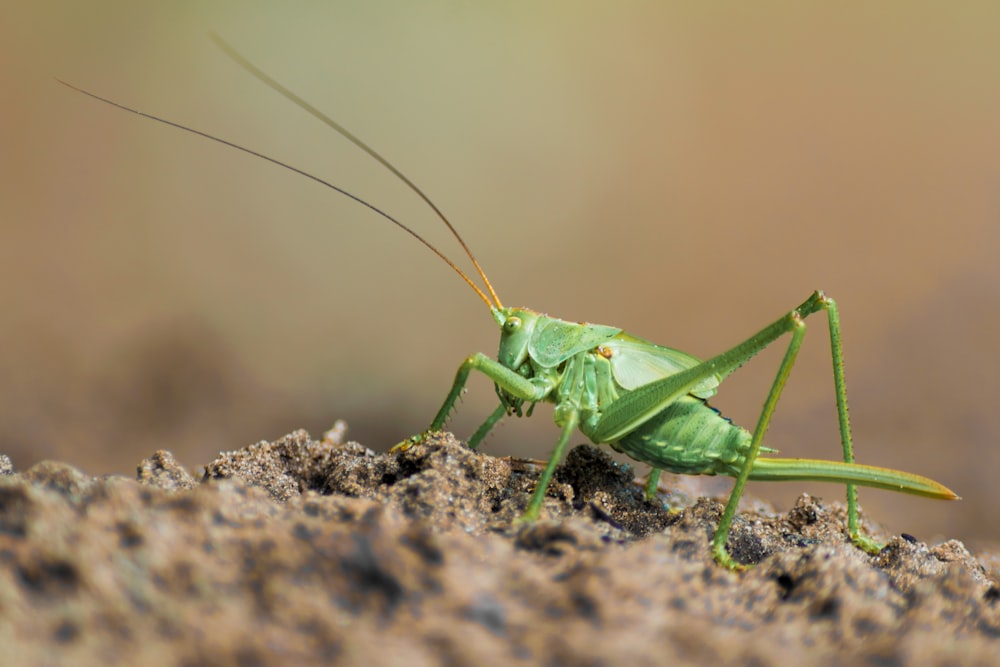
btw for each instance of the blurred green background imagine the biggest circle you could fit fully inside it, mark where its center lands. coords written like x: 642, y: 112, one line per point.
x: 683, y: 170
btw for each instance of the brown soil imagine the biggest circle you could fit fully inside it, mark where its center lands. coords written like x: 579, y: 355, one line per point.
x: 323, y: 552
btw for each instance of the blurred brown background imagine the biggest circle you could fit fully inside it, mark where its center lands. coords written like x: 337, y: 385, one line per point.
x: 684, y: 172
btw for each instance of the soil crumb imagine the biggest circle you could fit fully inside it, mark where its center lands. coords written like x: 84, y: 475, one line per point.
x: 312, y: 552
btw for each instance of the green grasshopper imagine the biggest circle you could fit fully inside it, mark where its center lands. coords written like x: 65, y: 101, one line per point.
x: 644, y: 400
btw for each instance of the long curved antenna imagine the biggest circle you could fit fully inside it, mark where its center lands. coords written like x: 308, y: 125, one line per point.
x: 301, y: 172
x: 305, y: 106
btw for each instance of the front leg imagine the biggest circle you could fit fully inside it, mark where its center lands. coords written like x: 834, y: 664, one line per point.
x: 511, y: 382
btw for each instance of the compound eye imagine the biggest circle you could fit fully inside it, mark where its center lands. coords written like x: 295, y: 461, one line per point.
x: 512, y: 324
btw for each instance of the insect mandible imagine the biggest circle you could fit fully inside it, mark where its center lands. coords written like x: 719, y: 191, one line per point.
x: 642, y: 399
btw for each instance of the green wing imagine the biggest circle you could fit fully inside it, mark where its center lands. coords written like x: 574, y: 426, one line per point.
x: 635, y: 362
x: 554, y: 341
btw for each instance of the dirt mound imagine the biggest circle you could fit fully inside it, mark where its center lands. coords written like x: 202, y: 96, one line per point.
x: 323, y: 552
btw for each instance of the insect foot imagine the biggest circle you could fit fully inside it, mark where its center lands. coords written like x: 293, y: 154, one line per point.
x: 409, y: 442
x: 723, y: 558
x: 866, y: 544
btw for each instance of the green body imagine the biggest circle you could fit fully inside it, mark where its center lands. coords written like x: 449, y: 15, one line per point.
x: 584, y: 368
x: 650, y: 402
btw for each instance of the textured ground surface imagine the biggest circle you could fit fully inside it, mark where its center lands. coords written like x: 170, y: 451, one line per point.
x: 322, y: 552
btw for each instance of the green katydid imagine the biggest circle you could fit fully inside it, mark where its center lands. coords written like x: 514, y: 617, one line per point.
x: 642, y: 399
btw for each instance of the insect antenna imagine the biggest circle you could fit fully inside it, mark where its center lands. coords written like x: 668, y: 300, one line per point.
x: 495, y: 303
x: 347, y: 134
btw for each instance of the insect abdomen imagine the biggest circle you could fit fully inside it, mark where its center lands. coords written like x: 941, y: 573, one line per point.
x: 689, y: 438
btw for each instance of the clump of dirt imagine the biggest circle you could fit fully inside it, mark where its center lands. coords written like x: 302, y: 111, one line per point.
x: 323, y: 552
